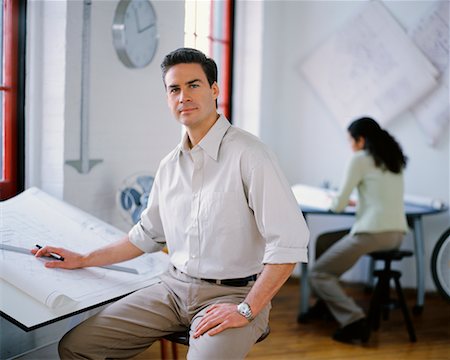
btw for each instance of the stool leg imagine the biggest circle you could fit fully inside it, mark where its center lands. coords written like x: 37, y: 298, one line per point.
x: 370, y: 285
x: 374, y: 308
x: 163, y: 343
x: 174, y: 351
x: 385, y: 295
x: 409, y: 325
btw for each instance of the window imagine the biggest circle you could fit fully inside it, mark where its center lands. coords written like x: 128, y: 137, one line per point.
x: 209, y: 28
x: 11, y: 55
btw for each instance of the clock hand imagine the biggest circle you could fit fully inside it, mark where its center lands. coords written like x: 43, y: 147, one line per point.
x: 138, y: 23
x: 146, y: 28
x: 136, y: 15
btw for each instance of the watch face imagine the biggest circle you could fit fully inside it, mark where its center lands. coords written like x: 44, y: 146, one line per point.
x: 135, y: 34
x: 244, y: 310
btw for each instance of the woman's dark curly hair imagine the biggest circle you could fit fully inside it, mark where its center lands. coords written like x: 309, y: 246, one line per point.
x: 384, y: 149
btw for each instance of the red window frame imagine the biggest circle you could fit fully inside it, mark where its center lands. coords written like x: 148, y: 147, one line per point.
x: 225, y: 39
x: 9, y: 181
x: 219, y: 42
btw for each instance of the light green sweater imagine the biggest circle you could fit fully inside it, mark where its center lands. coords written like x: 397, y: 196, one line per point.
x: 380, y: 196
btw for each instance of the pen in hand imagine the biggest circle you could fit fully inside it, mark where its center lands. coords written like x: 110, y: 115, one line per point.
x: 69, y: 263
x: 53, y: 255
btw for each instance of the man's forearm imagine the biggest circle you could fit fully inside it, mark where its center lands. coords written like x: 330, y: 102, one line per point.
x: 267, y: 285
x: 121, y: 250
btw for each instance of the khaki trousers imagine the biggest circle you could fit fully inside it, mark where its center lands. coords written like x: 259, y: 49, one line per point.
x: 341, y: 255
x: 178, y: 302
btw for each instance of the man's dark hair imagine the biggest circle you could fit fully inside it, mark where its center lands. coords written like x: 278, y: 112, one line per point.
x: 189, y: 56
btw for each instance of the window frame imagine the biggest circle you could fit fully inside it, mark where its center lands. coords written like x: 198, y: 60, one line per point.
x: 219, y: 34
x: 227, y: 60
x: 13, y: 99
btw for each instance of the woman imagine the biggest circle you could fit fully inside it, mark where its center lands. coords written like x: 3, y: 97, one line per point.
x: 376, y: 171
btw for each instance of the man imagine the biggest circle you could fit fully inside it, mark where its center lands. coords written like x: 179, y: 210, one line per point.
x: 232, y: 227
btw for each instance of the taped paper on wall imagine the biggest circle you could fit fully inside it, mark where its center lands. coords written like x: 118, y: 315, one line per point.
x: 370, y: 67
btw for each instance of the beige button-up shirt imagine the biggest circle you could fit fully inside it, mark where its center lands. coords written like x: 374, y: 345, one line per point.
x: 224, y: 208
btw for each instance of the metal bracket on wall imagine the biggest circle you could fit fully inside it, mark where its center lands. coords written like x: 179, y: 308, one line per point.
x: 84, y: 165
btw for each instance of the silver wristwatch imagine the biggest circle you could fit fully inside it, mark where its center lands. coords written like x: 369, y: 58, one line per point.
x: 245, y: 310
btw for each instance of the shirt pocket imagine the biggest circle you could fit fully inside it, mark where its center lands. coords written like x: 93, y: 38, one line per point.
x: 222, y: 213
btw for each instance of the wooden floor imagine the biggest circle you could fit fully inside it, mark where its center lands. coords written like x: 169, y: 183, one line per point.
x: 290, y: 340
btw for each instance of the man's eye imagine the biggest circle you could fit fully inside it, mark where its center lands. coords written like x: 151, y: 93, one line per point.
x: 173, y: 91
x: 194, y: 85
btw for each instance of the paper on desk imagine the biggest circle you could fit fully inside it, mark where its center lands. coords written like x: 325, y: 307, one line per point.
x: 313, y: 196
x: 35, y: 217
x: 37, y: 290
x: 424, y: 201
x: 320, y: 198
x: 64, y: 288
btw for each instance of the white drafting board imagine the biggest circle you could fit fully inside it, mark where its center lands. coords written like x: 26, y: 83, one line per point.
x: 317, y: 198
x: 32, y: 295
x: 311, y: 196
x: 369, y: 68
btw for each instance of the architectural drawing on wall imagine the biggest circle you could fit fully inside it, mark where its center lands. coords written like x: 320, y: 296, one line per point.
x: 431, y: 35
x: 369, y: 68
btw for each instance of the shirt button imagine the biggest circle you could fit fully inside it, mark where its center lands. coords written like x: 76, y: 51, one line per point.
x: 193, y: 256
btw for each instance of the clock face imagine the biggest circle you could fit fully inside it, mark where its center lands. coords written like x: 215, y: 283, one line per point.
x: 135, y: 34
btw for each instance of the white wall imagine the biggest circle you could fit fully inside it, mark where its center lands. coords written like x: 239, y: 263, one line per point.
x: 45, y: 84
x: 310, y: 144
x: 131, y: 128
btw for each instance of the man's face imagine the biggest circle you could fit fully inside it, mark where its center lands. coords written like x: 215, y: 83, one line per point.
x: 189, y: 96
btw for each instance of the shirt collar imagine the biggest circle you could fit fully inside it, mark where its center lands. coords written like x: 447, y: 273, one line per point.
x: 211, y: 141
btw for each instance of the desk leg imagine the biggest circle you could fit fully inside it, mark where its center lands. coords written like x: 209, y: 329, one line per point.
x: 304, y: 286
x: 419, y: 247
x: 304, y: 289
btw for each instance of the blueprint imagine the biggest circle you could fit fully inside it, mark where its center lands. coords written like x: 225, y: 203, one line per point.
x: 34, y: 217
x: 431, y: 35
x: 376, y: 69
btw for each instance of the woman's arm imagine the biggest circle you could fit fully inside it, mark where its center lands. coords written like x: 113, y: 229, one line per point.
x: 352, y: 177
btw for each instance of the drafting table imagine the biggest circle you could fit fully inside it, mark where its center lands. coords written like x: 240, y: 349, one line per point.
x: 414, y: 214
x: 34, y: 299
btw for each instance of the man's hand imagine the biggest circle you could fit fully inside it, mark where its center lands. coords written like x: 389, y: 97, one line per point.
x: 115, y: 252
x: 219, y: 317
x: 72, y: 260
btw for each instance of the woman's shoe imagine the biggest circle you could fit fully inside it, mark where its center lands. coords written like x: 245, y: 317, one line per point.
x: 319, y: 311
x: 357, y: 331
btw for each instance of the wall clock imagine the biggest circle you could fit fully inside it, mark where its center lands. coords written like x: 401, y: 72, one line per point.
x: 135, y: 34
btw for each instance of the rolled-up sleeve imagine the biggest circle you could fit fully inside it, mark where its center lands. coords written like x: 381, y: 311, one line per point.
x: 277, y: 214
x: 148, y: 233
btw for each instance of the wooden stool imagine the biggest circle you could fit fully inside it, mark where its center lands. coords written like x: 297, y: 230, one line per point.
x: 381, y: 303
x: 182, y: 338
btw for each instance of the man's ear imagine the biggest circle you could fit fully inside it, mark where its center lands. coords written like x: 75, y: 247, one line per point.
x: 215, y: 89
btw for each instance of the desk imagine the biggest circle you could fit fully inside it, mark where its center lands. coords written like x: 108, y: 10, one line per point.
x: 414, y: 216
x: 34, y: 298
x: 19, y: 336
